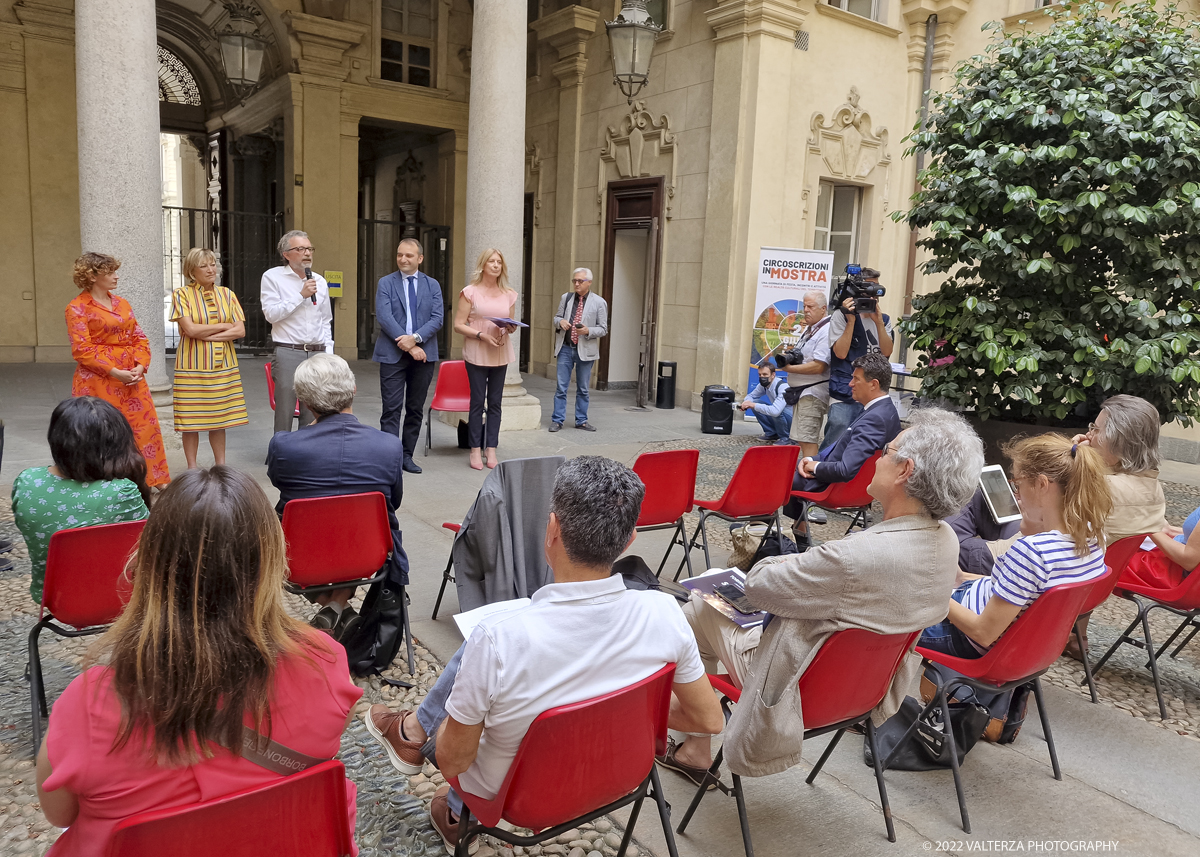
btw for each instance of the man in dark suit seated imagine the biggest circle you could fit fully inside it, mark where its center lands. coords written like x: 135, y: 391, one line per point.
x: 408, y: 307
x: 871, y: 430
x: 336, y: 454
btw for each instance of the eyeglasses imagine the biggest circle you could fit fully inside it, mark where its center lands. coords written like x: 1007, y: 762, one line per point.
x: 301, y: 249
x: 889, y: 449
x: 577, y: 282
x: 1093, y: 428
x: 1015, y: 484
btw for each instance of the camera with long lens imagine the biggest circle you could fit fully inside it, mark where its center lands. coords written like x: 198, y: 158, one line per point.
x: 865, y: 293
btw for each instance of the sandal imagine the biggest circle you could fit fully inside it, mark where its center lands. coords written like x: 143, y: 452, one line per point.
x: 696, y: 775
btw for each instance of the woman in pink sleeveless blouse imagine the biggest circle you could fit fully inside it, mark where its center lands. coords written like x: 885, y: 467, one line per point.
x: 487, y: 348
x: 203, y: 652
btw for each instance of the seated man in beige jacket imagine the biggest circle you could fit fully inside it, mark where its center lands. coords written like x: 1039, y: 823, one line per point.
x: 894, y: 578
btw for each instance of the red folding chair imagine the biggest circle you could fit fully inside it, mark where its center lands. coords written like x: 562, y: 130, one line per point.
x: 670, y: 480
x: 339, y: 542
x: 448, y: 573
x: 846, y: 680
x: 300, y: 815
x: 1182, y: 600
x: 1026, y: 650
x: 1116, y: 558
x: 611, y: 740
x: 847, y: 498
x: 761, y: 485
x: 83, y: 593
x: 271, y: 391
x: 451, y: 393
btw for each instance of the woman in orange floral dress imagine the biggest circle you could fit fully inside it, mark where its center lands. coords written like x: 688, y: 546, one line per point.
x: 113, y: 355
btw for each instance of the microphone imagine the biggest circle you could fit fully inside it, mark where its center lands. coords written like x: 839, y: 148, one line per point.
x: 308, y: 276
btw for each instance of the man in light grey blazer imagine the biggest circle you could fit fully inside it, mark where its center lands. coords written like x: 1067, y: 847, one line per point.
x: 894, y: 578
x: 581, y: 320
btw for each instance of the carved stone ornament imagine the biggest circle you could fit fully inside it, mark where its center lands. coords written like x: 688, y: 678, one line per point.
x: 533, y: 178
x: 846, y: 143
x: 639, y: 146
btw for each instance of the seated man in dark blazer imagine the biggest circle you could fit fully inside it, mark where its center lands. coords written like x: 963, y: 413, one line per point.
x: 334, y: 455
x: 408, y: 307
x: 870, y: 432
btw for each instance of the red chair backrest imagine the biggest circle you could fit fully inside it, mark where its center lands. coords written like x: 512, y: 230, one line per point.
x: 1116, y: 558
x: 611, y: 742
x: 301, y: 815
x: 853, y: 494
x: 335, y: 539
x: 762, y: 482
x: 1036, y: 639
x: 84, y: 583
x: 452, y: 391
x: 850, y: 674
x: 271, y: 390
x: 670, y: 480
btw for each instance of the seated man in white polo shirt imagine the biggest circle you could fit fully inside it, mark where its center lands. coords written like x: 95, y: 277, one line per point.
x: 584, y: 635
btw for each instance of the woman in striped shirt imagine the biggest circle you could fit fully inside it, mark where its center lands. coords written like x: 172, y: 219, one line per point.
x: 1064, y: 503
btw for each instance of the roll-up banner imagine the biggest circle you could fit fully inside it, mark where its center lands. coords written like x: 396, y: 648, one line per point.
x: 785, y: 276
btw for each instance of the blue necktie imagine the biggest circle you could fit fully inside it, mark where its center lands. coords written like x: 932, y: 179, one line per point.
x: 412, y: 304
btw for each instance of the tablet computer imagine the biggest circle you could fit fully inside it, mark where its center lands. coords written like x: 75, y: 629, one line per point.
x: 1001, y: 501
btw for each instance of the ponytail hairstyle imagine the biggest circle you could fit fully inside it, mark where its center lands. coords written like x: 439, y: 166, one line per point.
x: 1079, y: 471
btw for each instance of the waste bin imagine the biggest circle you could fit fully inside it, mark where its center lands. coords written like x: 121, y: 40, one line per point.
x: 664, y: 391
x: 716, y: 409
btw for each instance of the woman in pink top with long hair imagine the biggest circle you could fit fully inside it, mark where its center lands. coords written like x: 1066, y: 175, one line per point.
x: 487, y: 347
x: 203, y: 652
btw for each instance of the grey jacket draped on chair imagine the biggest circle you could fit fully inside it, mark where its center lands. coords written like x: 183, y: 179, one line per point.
x: 499, y: 554
x: 894, y: 578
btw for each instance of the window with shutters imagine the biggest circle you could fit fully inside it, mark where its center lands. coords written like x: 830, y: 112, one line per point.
x: 406, y: 43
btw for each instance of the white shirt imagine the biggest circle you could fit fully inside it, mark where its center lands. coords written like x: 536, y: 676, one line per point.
x: 874, y: 401
x: 295, y: 320
x: 408, y: 314
x: 814, y: 348
x: 575, y: 641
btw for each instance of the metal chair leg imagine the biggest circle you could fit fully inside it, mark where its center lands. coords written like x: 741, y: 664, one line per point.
x: 633, y: 817
x: 743, y: 818
x: 37, y: 691
x: 462, y: 849
x: 1045, y: 718
x: 428, y: 431
x: 687, y: 554
x: 1087, y: 667
x: 664, y: 812
x: 446, y: 578
x: 962, y: 799
x: 1145, y: 616
x: 1195, y: 630
x: 1123, y: 637
x: 812, y: 775
x: 883, y: 798
x: 407, y: 627
x: 704, y: 540
x: 1174, y: 634
x: 710, y: 777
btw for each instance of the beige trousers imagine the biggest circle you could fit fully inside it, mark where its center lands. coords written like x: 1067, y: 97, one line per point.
x: 722, y: 640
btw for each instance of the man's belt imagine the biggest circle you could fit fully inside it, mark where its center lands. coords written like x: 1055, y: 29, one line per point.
x: 320, y: 346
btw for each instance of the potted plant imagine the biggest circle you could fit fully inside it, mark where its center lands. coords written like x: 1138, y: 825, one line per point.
x: 1062, y: 206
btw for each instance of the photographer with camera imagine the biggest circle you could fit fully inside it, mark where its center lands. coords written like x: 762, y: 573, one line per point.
x: 807, y: 368
x: 855, y: 328
x: 768, y: 405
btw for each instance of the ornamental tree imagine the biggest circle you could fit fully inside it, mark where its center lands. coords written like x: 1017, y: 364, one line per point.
x: 1062, y: 204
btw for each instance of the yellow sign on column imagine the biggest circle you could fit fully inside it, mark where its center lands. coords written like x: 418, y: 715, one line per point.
x: 334, y: 278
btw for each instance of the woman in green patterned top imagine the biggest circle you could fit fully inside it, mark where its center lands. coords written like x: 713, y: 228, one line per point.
x: 98, y: 477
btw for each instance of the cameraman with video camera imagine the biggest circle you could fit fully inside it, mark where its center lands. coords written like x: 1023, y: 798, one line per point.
x: 856, y: 326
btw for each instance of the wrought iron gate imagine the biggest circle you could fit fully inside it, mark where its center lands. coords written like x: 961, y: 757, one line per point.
x: 377, y: 240
x: 245, y: 244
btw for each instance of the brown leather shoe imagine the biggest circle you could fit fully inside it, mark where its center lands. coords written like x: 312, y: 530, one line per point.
x: 384, y: 725
x: 696, y: 775
x: 1073, y: 649
x: 444, y: 824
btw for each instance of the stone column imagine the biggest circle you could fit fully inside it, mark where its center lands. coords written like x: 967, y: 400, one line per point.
x: 120, y: 192
x: 496, y: 165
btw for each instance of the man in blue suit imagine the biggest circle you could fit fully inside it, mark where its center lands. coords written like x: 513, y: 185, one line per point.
x: 874, y: 428
x: 408, y: 306
x: 336, y: 454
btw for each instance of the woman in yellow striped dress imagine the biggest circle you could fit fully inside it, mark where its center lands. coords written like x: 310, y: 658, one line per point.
x: 208, y: 386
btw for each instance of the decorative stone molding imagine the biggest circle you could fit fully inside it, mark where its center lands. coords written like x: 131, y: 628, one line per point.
x: 567, y: 30
x: 410, y: 181
x: 915, y: 14
x: 846, y: 143
x: 734, y: 19
x: 323, y: 43
x: 47, y: 19
x: 639, y: 146
x: 533, y: 179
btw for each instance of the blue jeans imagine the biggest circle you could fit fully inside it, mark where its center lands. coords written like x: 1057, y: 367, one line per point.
x: 841, y: 414
x: 568, y: 359
x: 778, y: 427
x: 947, y: 638
x: 432, y: 712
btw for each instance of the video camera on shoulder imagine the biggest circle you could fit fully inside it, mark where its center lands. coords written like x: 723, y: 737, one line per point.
x: 855, y: 285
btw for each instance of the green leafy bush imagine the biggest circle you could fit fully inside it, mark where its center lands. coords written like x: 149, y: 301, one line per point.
x: 1062, y: 202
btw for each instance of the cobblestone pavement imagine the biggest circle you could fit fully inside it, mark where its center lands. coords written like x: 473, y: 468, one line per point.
x: 392, y: 813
